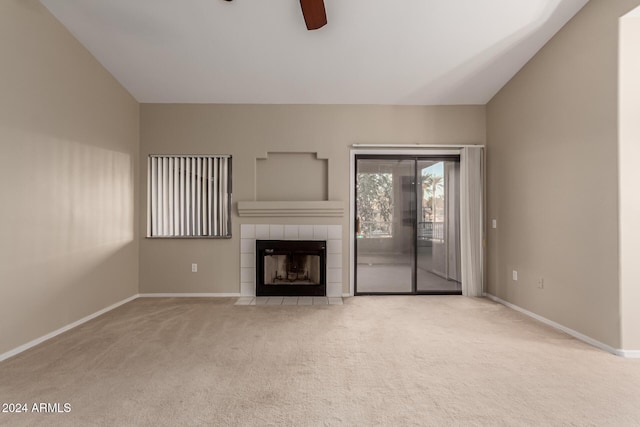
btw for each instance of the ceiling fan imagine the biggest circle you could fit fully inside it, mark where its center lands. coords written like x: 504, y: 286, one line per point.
x: 314, y: 14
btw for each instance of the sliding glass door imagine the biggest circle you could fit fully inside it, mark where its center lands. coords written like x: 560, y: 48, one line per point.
x: 438, y: 231
x: 385, y: 204
x: 407, y: 225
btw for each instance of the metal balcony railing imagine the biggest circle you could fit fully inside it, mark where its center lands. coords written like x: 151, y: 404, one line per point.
x: 376, y: 229
x: 427, y: 230
x: 431, y: 231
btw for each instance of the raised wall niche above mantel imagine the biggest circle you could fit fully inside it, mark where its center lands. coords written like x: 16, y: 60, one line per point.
x: 291, y: 184
x: 291, y: 177
x: 271, y: 209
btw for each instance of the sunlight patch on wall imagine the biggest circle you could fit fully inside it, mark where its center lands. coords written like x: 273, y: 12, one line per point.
x: 64, y: 197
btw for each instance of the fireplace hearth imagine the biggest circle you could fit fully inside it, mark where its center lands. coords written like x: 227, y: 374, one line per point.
x: 291, y: 268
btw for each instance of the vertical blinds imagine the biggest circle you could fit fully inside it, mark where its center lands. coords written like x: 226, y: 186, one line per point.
x: 188, y: 196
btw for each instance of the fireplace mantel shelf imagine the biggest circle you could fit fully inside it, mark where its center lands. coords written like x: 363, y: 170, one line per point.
x: 291, y: 209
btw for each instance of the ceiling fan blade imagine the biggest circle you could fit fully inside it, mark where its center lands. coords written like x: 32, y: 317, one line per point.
x: 314, y: 14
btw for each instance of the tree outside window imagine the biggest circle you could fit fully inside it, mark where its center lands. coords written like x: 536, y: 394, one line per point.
x: 375, y: 204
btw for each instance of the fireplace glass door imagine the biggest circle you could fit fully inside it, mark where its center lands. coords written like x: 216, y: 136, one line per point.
x: 291, y: 268
x: 407, y: 225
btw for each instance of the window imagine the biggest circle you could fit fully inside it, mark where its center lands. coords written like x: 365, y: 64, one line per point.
x: 375, y: 204
x: 189, y: 196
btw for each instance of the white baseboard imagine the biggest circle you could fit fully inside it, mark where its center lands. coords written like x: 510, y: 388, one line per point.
x: 629, y: 354
x: 575, y: 334
x: 57, y: 332
x: 191, y: 295
x: 85, y: 319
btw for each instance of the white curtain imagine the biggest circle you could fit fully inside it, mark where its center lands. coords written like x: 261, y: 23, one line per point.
x: 471, y: 220
x: 452, y: 209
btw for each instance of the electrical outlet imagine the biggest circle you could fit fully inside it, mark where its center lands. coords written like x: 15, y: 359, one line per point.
x: 194, y: 268
x: 541, y: 283
x: 515, y: 275
x: 494, y: 223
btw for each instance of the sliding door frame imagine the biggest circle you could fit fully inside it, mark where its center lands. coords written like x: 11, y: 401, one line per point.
x: 437, y: 154
x: 413, y: 225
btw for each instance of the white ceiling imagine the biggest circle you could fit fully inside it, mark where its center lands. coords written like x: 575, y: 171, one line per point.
x: 424, y: 52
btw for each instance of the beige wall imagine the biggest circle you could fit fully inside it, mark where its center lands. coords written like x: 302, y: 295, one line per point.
x: 69, y: 164
x: 250, y: 131
x: 552, y: 165
x: 68, y: 155
x: 629, y: 173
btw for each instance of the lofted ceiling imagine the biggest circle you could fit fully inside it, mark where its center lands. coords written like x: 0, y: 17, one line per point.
x: 398, y: 52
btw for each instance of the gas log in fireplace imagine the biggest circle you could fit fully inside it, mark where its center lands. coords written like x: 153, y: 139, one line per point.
x: 291, y: 268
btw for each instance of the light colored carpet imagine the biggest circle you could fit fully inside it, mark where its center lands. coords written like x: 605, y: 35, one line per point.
x: 384, y: 360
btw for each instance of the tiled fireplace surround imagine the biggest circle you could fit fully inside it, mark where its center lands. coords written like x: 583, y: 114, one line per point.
x: 249, y: 233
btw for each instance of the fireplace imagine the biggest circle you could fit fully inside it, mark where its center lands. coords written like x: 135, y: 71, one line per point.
x: 291, y: 268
